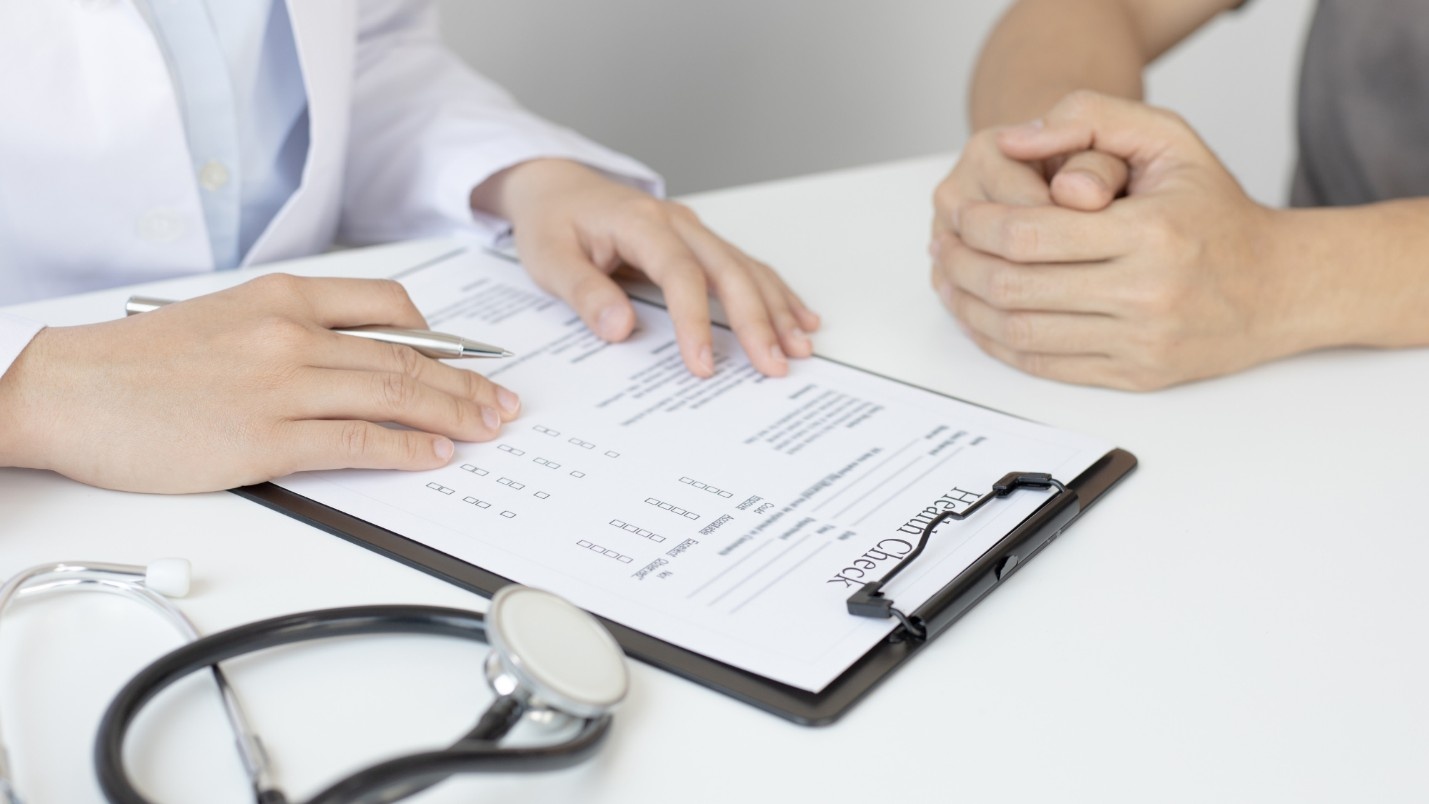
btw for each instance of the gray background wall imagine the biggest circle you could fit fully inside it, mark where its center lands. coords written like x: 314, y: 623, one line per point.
x: 715, y: 94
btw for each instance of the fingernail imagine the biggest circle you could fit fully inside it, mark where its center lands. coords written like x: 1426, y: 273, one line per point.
x: 1091, y: 178
x: 509, y: 401
x: 491, y: 417
x: 805, y: 346
x: 443, y: 448
x: 706, y: 359
x: 1026, y: 129
x: 607, y: 325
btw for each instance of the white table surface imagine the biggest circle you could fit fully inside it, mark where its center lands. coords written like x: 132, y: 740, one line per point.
x: 1243, y: 619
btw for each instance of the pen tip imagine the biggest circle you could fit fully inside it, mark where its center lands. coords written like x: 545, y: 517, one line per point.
x: 505, y: 353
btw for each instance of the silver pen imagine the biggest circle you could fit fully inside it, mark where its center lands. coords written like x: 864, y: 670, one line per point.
x: 432, y: 344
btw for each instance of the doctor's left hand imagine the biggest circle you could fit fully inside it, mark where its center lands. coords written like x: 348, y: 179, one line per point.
x: 574, y: 227
x: 238, y: 387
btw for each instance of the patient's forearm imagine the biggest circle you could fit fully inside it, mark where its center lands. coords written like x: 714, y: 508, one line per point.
x: 1044, y: 49
x: 1357, y: 275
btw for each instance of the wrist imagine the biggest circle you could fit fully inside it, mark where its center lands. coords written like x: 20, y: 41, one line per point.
x: 21, y: 408
x: 511, y: 193
x: 1341, y: 275
x: 1298, y: 312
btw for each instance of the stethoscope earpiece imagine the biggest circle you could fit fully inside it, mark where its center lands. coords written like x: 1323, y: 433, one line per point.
x: 169, y: 577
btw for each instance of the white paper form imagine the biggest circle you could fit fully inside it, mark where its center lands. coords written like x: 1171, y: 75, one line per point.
x: 732, y: 516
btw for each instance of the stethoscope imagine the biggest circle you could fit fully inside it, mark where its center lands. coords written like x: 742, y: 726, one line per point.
x: 549, y: 662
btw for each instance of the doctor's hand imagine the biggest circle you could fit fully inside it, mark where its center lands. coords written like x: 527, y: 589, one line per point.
x: 239, y: 387
x: 574, y: 227
x: 1168, y: 284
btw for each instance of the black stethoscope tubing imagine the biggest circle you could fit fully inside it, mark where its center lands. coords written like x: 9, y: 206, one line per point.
x: 384, y: 782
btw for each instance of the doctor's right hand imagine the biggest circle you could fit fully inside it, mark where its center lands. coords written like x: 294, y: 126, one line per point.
x: 240, y: 387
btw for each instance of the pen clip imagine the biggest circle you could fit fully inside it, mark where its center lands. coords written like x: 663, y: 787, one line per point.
x: 143, y: 304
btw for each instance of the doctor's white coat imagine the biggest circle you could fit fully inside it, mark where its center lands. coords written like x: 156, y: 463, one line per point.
x: 97, y: 187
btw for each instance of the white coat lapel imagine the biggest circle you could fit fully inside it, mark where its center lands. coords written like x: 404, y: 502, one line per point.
x: 325, y: 34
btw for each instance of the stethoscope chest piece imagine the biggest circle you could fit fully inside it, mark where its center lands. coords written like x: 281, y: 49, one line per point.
x: 553, y: 654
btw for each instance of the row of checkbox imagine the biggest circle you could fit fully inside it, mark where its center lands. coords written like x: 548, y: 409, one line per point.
x: 637, y: 530
x: 672, y: 509
x: 624, y: 559
x: 689, y: 481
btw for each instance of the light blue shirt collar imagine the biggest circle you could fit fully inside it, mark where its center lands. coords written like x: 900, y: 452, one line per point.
x: 239, y: 84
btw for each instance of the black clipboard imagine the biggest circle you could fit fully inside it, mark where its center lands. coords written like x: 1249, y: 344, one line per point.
x: 821, y: 708
x: 954, y: 600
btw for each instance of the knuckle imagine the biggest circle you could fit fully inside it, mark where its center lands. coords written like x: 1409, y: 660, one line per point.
x: 1019, y: 332
x: 463, y: 416
x: 764, y: 274
x: 473, y: 385
x: 646, y: 206
x: 687, y: 270
x: 1034, y: 363
x: 942, y: 196
x: 409, y: 363
x: 984, y: 142
x: 396, y: 391
x: 1168, y: 116
x: 1006, y: 288
x: 680, y: 212
x: 1164, y: 235
x: 946, y: 198
x: 740, y: 277
x: 279, y: 285
x: 278, y: 348
x: 393, y: 290
x: 282, y: 335
x: 355, y: 439
x: 411, y: 447
x: 1079, y: 102
x: 1158, y: 299
x: 1019, y: 238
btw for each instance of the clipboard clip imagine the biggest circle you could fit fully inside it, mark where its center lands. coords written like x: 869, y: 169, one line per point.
x: 869, y: 600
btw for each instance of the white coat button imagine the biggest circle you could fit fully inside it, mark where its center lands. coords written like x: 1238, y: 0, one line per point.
x: 161, y: 226
x: 213, y: 176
